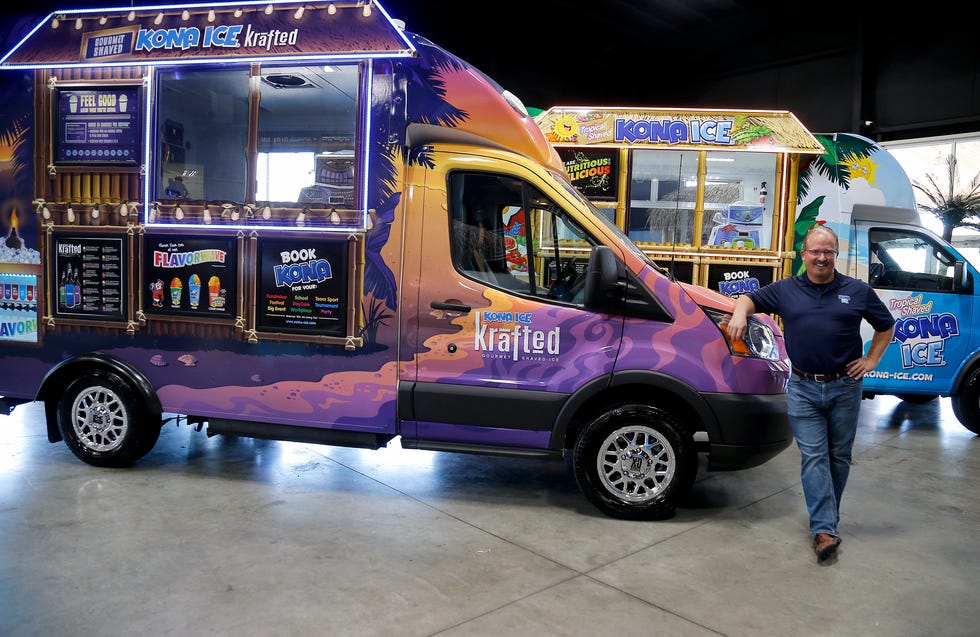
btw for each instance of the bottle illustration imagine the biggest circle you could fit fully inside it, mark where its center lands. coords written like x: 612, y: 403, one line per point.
x: 69, y: 289
x: 176, y: 289
x: 194, y: 290
x: 78, y: 290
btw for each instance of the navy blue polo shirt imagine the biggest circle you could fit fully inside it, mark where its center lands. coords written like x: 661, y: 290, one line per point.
x: 822, y: 322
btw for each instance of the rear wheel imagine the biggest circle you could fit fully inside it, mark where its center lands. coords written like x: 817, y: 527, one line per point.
x: 634, y: 461
x: 104, y: 421
x: 966, y: 404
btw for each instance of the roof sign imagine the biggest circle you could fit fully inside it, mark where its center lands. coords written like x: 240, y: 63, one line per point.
x: 687, y: 129
x: 181, y: 34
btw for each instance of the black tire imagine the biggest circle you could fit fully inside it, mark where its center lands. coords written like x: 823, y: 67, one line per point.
x: 661, y: 456
x: 104, y: 421
x: 966, y: 404
x: 917, y: 399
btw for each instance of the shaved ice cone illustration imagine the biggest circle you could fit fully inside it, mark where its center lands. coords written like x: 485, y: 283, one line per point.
x: 176, y: 289
x: 214, y: 293
x: 194, y: 290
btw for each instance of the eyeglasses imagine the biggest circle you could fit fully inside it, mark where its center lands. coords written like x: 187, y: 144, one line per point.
x: 830, y: 254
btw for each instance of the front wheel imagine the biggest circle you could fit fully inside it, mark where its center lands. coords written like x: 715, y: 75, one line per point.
x: 634, y: 461
x: 966, y: 404
x: 104, y: 421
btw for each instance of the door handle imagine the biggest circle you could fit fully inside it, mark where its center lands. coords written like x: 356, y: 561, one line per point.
x: 451, y: 307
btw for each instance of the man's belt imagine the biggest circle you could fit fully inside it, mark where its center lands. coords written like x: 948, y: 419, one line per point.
x: 820, y: 378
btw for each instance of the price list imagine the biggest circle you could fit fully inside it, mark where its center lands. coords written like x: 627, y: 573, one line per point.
x: 90, y: 276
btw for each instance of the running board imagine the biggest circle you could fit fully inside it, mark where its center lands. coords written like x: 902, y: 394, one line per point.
x: 483, y: 450
x: 292, y: 433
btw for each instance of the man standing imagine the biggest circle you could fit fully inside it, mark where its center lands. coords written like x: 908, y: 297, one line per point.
x: 822, y: 311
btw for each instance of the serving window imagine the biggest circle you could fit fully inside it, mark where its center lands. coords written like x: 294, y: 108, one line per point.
x: 258, y: 145
x: 716, y: 199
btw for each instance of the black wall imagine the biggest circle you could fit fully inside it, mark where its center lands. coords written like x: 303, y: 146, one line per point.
x: 910, y: 71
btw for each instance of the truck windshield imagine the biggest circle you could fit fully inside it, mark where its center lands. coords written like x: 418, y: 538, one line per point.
x: 603, y: 216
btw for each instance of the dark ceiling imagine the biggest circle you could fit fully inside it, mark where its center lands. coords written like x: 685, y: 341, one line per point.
x: 858, y: 66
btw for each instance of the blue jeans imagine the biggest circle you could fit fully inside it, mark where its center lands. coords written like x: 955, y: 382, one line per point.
x: 824, y: 420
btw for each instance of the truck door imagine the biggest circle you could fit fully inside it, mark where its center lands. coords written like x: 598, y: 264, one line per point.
x: 502, y: 336
x: 913, y: 272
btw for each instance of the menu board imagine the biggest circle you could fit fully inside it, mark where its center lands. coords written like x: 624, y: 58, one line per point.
x: 18, y: 307
x: 190, y: 276
x: 90, y: 276
x: 98, y: 126
x: 303, y: 286
x: 594, y: 171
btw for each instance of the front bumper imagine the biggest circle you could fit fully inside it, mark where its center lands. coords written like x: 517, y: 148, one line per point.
x: 752, y: 429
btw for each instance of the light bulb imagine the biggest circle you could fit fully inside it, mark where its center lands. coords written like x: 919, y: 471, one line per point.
x: 267, y: 213
x: 299, y: 13
x: 178, y: 213
x: 334, y: 217
x: 54, y: 23
x: 268, y: 9
x: 301, y: 218
x: 103, y: 20
x: 70, y: 214
x: 131, y: 16
x: 94, y: 213
x: 45, y: 213
x: 123, y: 210
x: 186, y: 15
x: 159, y: 18
x: 211, y: 15
x: 78, y: 24
x: 238, y: 13
x: 331, y: 9
x: 207, y: 214
x: 367, y: 10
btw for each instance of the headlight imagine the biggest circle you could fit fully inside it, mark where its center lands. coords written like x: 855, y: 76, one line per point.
x: 759, y: 341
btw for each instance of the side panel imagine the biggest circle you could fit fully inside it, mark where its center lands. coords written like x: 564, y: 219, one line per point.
x: 854, y: 170
x: 209, y: 367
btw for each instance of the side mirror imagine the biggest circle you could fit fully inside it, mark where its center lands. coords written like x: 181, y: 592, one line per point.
x: 601, y: 278
x: 961, y: 276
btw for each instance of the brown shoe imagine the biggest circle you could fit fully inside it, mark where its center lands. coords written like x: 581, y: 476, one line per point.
x: 825, y: 545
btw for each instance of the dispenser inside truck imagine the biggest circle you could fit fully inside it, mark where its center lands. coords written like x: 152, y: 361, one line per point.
x: 301, y: 222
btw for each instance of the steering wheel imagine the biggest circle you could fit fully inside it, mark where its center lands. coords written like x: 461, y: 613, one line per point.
x: 563, y: 288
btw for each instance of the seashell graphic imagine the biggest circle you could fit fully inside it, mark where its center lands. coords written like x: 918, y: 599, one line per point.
x: 189, y: 360
x: 255, y: 378
x: 158, y: 360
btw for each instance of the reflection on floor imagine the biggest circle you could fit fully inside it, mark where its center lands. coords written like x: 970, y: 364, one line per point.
x: 250, y: 537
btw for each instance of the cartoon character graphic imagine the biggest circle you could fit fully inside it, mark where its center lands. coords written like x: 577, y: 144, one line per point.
x: 514, y: 243
x: 156, y: 292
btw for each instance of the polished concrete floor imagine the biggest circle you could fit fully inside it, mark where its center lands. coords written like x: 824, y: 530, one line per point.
x: 219, y: 536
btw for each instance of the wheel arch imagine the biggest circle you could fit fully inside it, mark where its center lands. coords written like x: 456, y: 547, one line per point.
x: 58, y: 377
x: 971, y: 364
x: 643, y: 387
